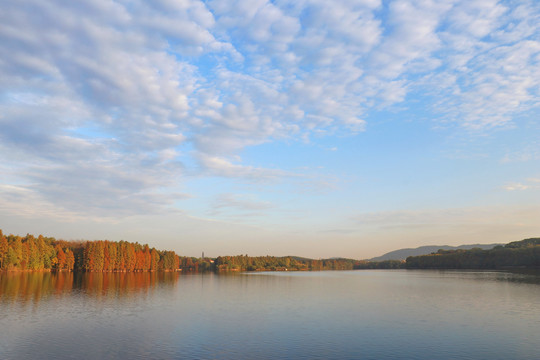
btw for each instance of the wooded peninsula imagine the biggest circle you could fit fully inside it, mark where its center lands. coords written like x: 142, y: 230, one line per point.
x: 30, y: 253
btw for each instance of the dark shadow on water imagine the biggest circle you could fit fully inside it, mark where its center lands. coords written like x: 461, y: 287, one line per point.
x: 529, y: 276
x: 515, y: 275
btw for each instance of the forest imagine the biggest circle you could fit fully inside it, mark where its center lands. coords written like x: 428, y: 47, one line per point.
x: 272, y: 263
x: 294, y: 263
x: 46, y: 253
x: 517, y: 254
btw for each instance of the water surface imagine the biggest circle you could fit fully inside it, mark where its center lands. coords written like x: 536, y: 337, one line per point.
x: 296, y: 315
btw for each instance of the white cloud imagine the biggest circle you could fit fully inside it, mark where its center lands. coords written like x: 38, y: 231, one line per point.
x: 528, y: 153
x: 490, y: 60
x: 516, y: 186
x: 108, y: 94
x: 243, y: 202
x: 412, y: 38
x: 220, y: 166
x: 528, y: 184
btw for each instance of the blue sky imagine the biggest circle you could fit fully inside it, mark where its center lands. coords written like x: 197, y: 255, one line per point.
x: 314, y: 128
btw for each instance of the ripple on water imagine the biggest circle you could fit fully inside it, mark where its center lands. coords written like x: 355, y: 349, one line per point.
x: 336, y: 315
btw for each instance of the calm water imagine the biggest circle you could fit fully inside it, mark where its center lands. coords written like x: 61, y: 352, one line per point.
x: 307, y: 315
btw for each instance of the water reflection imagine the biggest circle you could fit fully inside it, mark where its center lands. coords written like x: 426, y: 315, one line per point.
x: 370, y: 314
x: 529, y: 276
x: 33, y: 287
x: 525, y: 276
x: 24, y: 287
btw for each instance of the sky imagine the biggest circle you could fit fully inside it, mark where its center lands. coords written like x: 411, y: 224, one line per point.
x: 310, y: 127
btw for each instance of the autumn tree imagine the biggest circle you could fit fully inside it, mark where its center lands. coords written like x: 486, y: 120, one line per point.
x: 3, y: 249
x: 60, y: 258
x: 70, y: 260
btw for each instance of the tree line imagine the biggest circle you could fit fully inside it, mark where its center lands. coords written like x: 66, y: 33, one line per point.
x: 47, y: 253
x: 524, y: 253
x: 286, y: 263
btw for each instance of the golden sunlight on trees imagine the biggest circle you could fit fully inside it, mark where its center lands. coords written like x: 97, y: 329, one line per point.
x: 43, y: 253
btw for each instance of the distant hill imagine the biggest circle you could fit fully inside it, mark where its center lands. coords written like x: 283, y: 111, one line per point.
x: 402, y: 254
x: 517, y: 254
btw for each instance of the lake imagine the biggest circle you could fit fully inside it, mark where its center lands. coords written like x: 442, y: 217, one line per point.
x: 395, y: 314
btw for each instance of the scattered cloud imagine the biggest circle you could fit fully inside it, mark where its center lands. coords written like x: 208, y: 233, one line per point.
x: 489, y: 58
x: 529, y: 153
x: 100, y: 99
x: 528, y: 184
x: 455, y: 225
x: 440, y: 217
x: 516, y: 186
x: 239, y: 208
x: 220, y: 166
x: 241, y: 202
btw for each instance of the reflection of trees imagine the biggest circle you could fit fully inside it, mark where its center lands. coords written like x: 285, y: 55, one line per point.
x: 29, y: 286
x: 122, y: 284
x: 33, y: 287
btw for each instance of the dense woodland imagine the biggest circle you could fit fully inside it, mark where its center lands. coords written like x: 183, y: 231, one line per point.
x: 524, y: 253
x: 261, y: 263
x: 286, y: 263
x: 45, y: 253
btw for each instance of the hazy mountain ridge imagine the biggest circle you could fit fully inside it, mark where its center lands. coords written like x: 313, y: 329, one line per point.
x: 402, y: 254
